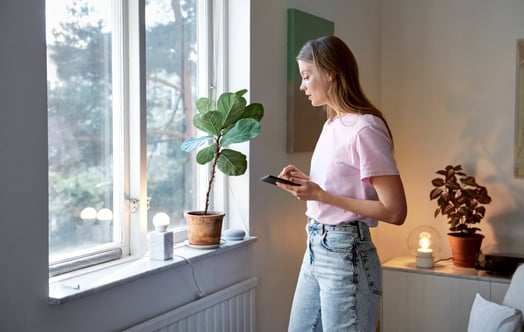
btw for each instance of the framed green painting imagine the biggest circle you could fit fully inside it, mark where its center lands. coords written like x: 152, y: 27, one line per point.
x: 304, y: 122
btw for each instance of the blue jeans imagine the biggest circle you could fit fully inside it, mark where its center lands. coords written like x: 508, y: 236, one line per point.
x: 340, y: 281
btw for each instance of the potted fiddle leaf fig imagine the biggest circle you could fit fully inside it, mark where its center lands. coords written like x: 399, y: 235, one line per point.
x: 228, y: 121
x: 461, y: 200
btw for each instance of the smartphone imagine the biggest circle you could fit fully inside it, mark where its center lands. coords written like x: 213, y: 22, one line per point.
x: 273, y: 180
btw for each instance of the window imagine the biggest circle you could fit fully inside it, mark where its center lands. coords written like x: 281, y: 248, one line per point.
x: 122, y: 80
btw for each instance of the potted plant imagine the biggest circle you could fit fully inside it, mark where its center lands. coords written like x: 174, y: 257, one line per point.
x: 230, y: 120
x: 461, y: 200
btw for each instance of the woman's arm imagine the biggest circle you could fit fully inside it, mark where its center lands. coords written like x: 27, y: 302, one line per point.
x: 391, y: 206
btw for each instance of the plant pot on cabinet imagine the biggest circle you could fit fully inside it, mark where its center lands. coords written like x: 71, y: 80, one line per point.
x: 204, y: 229
x: 465, y: 248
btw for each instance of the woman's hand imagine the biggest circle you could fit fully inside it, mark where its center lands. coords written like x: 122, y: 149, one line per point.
x: 306, y: 190
x: 292, y: 173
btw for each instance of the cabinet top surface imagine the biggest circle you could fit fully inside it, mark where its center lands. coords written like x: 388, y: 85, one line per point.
x: 444, y: 268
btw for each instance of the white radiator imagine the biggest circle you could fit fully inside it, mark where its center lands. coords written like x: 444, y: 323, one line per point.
x: 229, y: 310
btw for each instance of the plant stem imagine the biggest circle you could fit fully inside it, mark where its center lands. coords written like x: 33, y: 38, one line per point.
x: 212, y: 173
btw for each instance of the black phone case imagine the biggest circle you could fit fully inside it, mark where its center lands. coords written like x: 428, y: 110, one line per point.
x: 273, y: 180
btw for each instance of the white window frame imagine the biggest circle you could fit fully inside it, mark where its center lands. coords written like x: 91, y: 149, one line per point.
x: 136, y: 167
x: 129, y: 125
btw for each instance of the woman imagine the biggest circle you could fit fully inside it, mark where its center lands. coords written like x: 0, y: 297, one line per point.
x: 353, y: 183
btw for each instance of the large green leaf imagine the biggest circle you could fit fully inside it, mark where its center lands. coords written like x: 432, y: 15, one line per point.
x: 192, y: 143
x: 232, y: 106
x: 255, y: 111
x: 243, y: 130
x: 240, y: 93
x: 232, y: 162
x: 206, y: 154
x: 204, y: 105
x: 210, y: 122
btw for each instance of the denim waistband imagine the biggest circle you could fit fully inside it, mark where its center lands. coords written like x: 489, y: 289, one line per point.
x: 359, y: 228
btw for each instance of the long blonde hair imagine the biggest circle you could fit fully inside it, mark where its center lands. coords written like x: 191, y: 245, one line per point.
x: 329, y: 54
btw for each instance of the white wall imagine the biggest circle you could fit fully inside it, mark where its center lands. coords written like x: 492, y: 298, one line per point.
x: 426, y: 63
x: 448, y: 89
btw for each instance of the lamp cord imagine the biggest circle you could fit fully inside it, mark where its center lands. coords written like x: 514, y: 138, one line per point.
x: 244, y: 223
x: 443, y: 259
x: 199, y: 291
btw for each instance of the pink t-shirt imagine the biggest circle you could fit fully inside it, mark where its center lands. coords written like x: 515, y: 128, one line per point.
x: 349, y: 151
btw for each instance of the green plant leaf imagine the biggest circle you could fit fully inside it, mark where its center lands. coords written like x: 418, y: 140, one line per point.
x: 210, y: 122
x: 205, y: 105
x: 240, y: 93
x: 232, y: 106
x: 243, y: 130
x: 255, y: 111
x: 206, y: 154
x: 192, y: 143
x: 232, y: 162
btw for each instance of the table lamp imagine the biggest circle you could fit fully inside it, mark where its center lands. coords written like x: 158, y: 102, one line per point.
x: 423, y: 243
x: 161, y: 240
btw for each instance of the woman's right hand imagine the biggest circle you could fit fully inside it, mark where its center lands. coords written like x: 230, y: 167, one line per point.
x: 292, y: 173
x: 306, y: 189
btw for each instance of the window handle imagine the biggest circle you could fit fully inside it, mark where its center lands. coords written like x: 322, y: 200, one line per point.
x: 134, y: 203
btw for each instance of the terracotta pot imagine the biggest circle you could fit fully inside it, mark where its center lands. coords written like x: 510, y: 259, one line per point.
x: 465, y: 248
x: 204, y: 229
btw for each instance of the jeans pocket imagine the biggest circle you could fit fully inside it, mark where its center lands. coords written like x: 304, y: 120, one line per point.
x: 371, y: 266
x: 338, y: 242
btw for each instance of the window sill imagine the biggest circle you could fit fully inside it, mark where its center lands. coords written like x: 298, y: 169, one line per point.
x: 67, y: 287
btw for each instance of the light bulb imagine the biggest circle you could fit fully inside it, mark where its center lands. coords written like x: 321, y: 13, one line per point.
x: 104, y: 214
x: 424, y: 252
x: 88, y: 213
x: 161, y: 221
x: 424, y: 242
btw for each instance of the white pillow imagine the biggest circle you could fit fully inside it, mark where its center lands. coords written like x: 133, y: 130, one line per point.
x: 486, y: 316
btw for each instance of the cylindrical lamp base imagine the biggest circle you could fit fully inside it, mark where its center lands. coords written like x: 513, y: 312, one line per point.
x: 424, y: 260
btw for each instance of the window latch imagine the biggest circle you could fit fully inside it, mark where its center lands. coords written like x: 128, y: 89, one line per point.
x: 134, y: 204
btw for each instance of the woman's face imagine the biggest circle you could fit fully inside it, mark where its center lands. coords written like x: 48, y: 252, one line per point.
x: 314, y: 83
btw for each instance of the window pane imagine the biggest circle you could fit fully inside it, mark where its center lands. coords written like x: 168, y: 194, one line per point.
x: 171, y: 84
x: 79, y: 125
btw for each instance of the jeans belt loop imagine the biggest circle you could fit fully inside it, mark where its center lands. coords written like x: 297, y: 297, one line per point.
x: 361, y: 234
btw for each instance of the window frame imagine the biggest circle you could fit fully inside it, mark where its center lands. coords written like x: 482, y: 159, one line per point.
x: 129, y: 96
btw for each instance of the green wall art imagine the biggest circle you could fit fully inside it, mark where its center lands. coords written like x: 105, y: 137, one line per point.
x: 304, y: 122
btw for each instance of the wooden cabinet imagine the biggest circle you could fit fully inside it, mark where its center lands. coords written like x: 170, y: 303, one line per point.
x: 437, y: 299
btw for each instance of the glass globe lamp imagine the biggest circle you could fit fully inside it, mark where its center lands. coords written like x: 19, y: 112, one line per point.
x: 424, y: 242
